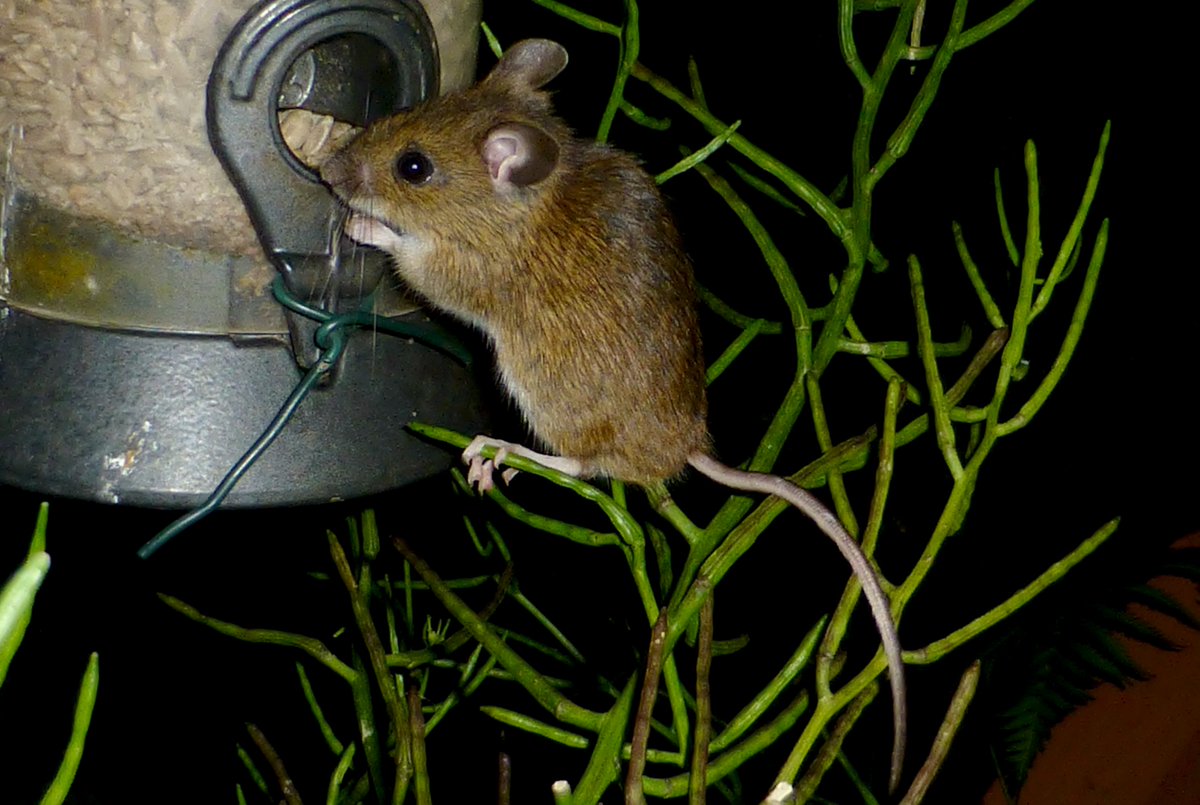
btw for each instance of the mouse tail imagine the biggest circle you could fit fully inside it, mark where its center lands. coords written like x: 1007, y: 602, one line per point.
x: 827, y: 522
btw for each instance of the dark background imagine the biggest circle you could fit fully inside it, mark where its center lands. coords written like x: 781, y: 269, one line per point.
x: 1117, y: 438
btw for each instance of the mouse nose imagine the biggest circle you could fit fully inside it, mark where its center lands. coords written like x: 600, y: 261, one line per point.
x: 347, y: 176
x: 334, y: 171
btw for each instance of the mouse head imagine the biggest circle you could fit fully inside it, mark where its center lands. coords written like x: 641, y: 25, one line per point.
x: 466, y: 167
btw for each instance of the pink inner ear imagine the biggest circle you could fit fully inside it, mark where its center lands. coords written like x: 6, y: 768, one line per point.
x: 498, y: 153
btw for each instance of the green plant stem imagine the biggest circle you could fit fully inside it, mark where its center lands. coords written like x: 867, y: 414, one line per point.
x: 678, y: 701
x: 1010, y: 245
x: 38, y: 543
x: 789, y: 411
x: 857, y: 239
x: 562, y: 708
x: 1070, y: 340
x: 717, y: 367
x: 256, y: 777
x: 339, y: 774
x: 331, y: 739
x: 641, y: 721
x: 566, y: 738
x: 694, y: 83
x: 945, y: 737
x: 549, y: 525
x: 488, y: 669
x: 547, y: 624
x: 695, y: 158
x: 383, y: 679
x: 829, y: 706
x: 466, y: 679
x: 579, y: 18
x: 992, y: 24
x: 364, y: 711
x: 860, y: 786
x: 902, y: 137
x: 286, y: 786
x: 409, y: 614
x: 534, y: 726
x: 881, y: 366
x: 490, y: 38
x: 504, y: 781
x: 767, y: 189
x: 847, y: 44
x: 730, y: 760
x: 309, y: 645
x: 990, y: 348
x: 833, y: 478
x: 84, y: 705
x: 939, y: 648
x: 628, y: 527
x: 686, y: 601
x: 642, y: 119
x: 884, y: 471
x: 832, y: 747
x: 703, y: 733
x: 604, y: 765
x: 726, y: 312
x: 548, y: 651
x: 16, y: 605
x: 787, y: 414
x: 918, y: 25
x: 416, y: 728
x: 630, y: 44
x: 20, y: 590
x: 960, y: 495
x: 933, y: 379
x: 1015, y: 348
x: 716, y: 562
x: 1069, y: 243
x: 803, y: 189
x: 665, y: 505
x: 783, y: 679
x: 902, y: 349
x: 990, y: 309
x: 662, y: 559
x: 561, y: 791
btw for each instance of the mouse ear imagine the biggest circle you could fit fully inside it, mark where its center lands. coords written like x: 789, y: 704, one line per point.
x: 518, y: 155
x: 531, y: 62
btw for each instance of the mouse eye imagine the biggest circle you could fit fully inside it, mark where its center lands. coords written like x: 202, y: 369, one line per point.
x: 413, y: 167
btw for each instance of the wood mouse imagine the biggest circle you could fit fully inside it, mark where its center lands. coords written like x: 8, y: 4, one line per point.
x: 562, y: 251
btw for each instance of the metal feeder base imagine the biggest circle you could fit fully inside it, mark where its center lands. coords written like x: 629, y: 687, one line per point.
x: 157, y: 420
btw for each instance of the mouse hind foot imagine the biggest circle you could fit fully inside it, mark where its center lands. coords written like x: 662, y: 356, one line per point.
x: 480, y: 469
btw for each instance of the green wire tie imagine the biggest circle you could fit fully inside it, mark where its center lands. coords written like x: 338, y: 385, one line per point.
x: 331, y: 338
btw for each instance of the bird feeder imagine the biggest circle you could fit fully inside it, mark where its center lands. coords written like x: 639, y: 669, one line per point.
x: 149, y: 198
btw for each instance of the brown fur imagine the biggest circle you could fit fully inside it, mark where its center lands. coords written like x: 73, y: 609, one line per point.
x: 579, y: 279
x: 563, y: 252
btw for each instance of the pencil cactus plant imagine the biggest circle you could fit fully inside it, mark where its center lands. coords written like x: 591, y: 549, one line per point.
x: 658, y: 734
x: 16, y: 608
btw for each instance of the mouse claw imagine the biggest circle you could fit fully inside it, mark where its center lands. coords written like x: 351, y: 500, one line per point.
x: 480, y: 470
x: 485, y: 482
x: 501, y: 456
x: 481, y: 474
x: 475, y: 449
